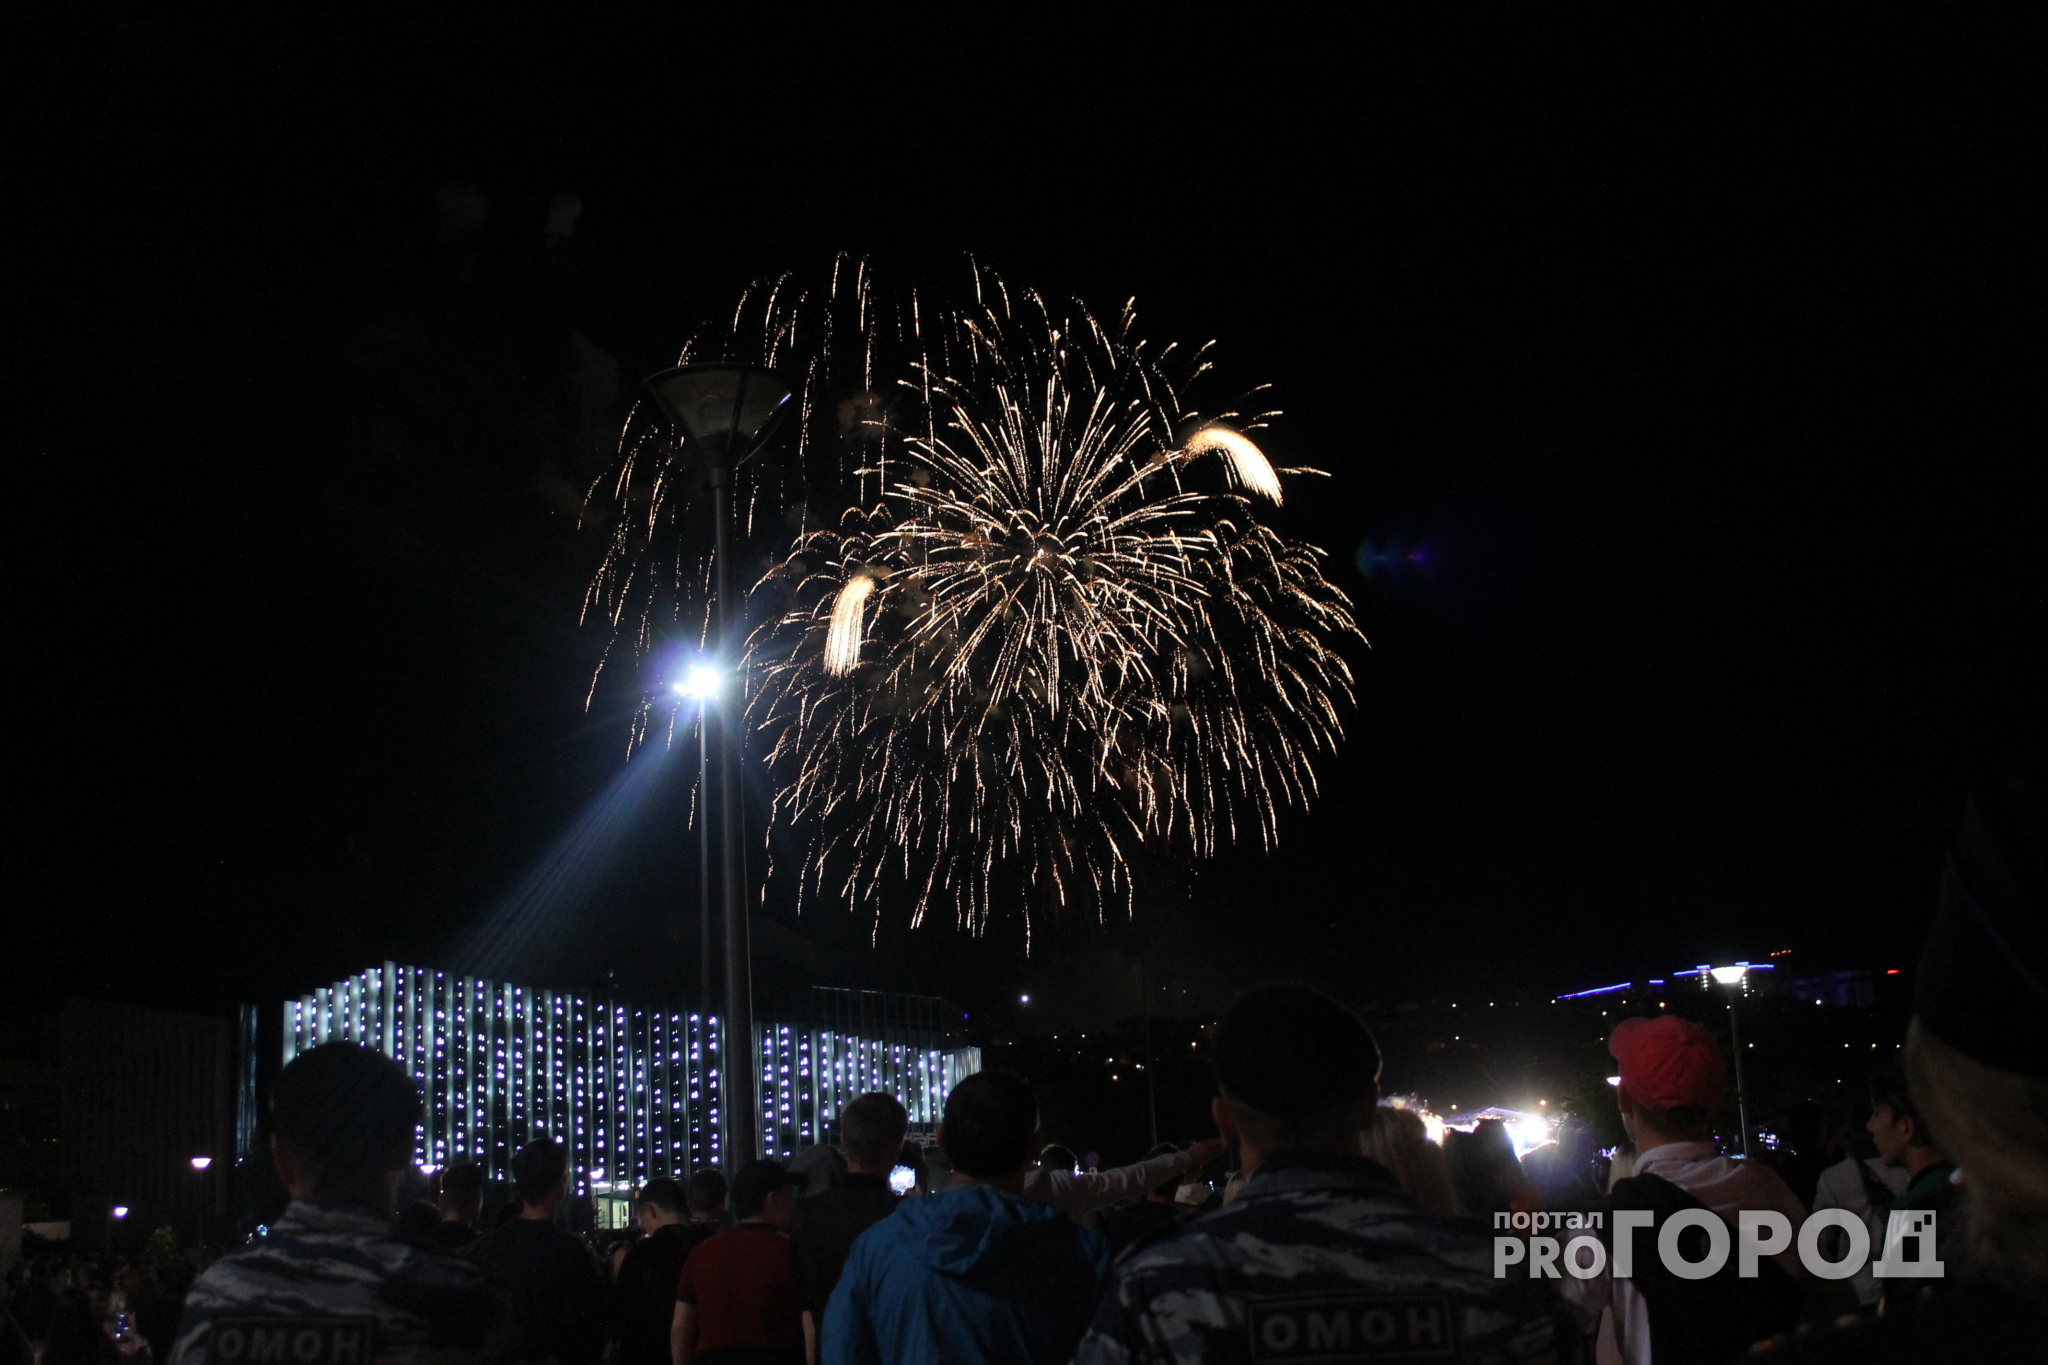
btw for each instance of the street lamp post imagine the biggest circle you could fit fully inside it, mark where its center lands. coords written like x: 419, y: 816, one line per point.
x: 703, y: 864
x: 725, y: 413
x: 1731, y: 977
x: 200, y: 1165
x: 700, y: 684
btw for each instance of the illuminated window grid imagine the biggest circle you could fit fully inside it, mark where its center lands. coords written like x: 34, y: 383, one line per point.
x: 632, y: 1092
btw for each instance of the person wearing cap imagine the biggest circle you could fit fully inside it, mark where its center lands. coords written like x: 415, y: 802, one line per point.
x: 976, y: 1273
x: 1321, y: 1256
x: 736, y: 1298
x: 334, y: 1282
x: 1977, y: 1067
x: 1672, y: 1082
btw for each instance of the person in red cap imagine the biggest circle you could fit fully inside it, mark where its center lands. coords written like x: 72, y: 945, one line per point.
x: 1672, y: 1082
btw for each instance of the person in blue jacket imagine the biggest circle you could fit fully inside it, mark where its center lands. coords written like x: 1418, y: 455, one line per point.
x: 976, y: 1273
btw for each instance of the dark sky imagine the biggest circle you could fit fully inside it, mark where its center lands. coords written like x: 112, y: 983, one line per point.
x: 1686, y: 382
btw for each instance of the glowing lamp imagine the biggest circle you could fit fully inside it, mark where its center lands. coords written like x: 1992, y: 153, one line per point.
x: 200, y: 1163
x: 1728, y: 976
x: 1614, y: 1080
x: 724, y: 412
x: 120, y: 1210
x: 700, y: 682
x: 1023, y: 999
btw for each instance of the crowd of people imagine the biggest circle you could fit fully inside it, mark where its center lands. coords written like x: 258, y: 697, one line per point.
x: 1341, y: 1233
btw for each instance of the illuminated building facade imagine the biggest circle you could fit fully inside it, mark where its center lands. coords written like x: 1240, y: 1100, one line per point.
x: 633, y: 1091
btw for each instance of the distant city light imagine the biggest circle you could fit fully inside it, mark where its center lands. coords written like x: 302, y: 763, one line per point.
x: 200, y: 1163
x: 1597, y: 990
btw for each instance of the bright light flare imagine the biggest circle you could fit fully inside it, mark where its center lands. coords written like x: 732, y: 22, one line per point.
x: 1248, y: 464
x: 120, y: 1210
x: 1728, y: 976
x: 200, y: 1163
x: 701, y: 682
x: 1529, y: 1133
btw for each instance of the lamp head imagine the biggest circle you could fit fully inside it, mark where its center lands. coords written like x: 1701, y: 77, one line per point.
x: 1729, y: 976
x: 724, y: 412
x: 200, y: 1163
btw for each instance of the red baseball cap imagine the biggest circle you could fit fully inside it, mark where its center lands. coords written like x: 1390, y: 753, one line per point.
x: 1669, y: 1063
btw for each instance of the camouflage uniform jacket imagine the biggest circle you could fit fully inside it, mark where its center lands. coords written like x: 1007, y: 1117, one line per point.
x: 335, y: 1284
x: 1319, y: 1259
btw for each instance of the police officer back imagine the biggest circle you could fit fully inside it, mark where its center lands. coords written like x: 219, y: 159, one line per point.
x: 1320, y: 1257
x: 334, y: 1283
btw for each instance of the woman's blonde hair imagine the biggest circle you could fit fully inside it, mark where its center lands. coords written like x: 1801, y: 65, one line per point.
x: 1397, y: 1140
x: 1994, y: 1126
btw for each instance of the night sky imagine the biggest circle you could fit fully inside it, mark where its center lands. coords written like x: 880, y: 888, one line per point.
x: 1683, y: 389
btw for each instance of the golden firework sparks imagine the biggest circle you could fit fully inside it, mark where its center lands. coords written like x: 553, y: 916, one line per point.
x: 1042, y: 638
x: 842, y: 640
x: 1248, y: 464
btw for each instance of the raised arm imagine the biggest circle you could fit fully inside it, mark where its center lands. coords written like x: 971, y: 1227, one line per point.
x: 1077, y: 1193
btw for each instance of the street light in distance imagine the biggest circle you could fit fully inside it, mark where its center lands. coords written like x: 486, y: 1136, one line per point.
x: 1732, y: 978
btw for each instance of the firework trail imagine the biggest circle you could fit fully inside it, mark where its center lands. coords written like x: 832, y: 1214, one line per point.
x: 1049, y: 635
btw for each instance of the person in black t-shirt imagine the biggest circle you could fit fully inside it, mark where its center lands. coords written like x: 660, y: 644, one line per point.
x: 644, y: 1291
x: 462, y: 1203
x: 871, y: 1131
x: 553, y: 1279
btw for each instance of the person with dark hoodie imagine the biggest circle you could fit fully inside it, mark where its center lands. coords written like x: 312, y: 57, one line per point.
x: 978, y: 1272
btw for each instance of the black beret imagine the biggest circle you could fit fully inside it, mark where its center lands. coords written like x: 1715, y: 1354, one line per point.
x: 1982, y: 984
x: 1293, y: 1052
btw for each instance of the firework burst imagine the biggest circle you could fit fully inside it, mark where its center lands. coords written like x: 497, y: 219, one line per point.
x: 1051, y: 633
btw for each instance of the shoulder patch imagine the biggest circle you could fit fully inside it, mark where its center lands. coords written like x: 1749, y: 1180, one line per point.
x: 291, y: 1340
x: 1348, y: 1327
